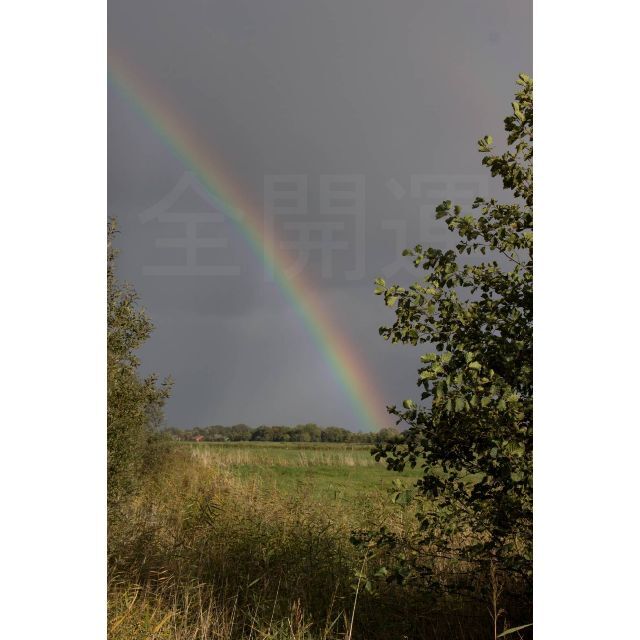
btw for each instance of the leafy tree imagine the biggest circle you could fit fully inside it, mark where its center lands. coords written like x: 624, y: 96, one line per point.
x: 472, y: 431
x: 334, y: 434
x: 240, y: 432
x: 387, y: 435
x: 280, y: 434
x: 305, y: 433
x: 262, y: 434
x: 363, y: 437
x: 134, y: 403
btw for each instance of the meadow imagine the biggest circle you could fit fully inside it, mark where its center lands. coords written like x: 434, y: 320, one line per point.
x: 324, y: 473
x: 252, y: 540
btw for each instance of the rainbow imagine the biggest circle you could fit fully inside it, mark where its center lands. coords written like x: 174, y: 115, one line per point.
x: 341, y: 356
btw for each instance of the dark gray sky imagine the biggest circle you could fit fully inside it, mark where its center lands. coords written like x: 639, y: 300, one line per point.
x: 390, y: 95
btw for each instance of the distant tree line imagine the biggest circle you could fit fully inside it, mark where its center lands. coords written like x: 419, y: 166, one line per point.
x: 300, y: 433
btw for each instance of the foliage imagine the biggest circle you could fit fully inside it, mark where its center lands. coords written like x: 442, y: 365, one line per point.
x: 309, y: 432
x: 223, y: 545
x: 472, y: 433
x: 134, y: 403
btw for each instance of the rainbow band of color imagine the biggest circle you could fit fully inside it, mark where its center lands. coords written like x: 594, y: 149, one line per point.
x: 336, y: 350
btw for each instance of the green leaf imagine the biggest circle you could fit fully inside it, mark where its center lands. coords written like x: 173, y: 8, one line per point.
x: 517, y: 112
x: 474, y: 312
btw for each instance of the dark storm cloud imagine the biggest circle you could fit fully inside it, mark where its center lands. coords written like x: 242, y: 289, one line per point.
x: 383, y: 90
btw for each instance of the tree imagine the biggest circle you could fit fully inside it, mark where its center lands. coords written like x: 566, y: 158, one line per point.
x: 134, y: 403
x: 387, y: 435
x: 240, y: 432
x: 311, y: 432
x: 334, y: 434
x: 472, y: 431
x: 262, y: 434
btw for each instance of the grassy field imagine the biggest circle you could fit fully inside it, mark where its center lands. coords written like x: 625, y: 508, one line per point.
x: 330, y: 474
x: 251, y: 540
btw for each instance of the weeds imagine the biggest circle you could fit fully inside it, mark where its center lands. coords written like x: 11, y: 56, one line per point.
x: 204, y: 551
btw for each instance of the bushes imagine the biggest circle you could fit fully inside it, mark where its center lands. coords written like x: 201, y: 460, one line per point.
x: 134, y: 403
x: 280, y: 433
x: 225, y: 555
x: 471, y: 430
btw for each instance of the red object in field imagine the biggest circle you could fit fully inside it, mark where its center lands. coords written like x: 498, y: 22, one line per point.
x: 199, y: 438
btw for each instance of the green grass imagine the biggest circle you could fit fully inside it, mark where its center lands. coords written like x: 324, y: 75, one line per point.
x: 323, y: 472
x: 251, y: 540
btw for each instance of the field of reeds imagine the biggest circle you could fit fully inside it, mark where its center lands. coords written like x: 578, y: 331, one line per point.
x: 252, y: 540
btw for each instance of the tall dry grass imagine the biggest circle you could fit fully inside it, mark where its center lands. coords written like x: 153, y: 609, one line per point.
x: 201, y: 553
x: 228, y: 456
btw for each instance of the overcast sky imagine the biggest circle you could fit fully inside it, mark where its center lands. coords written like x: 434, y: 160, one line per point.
x: 391, y: 95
